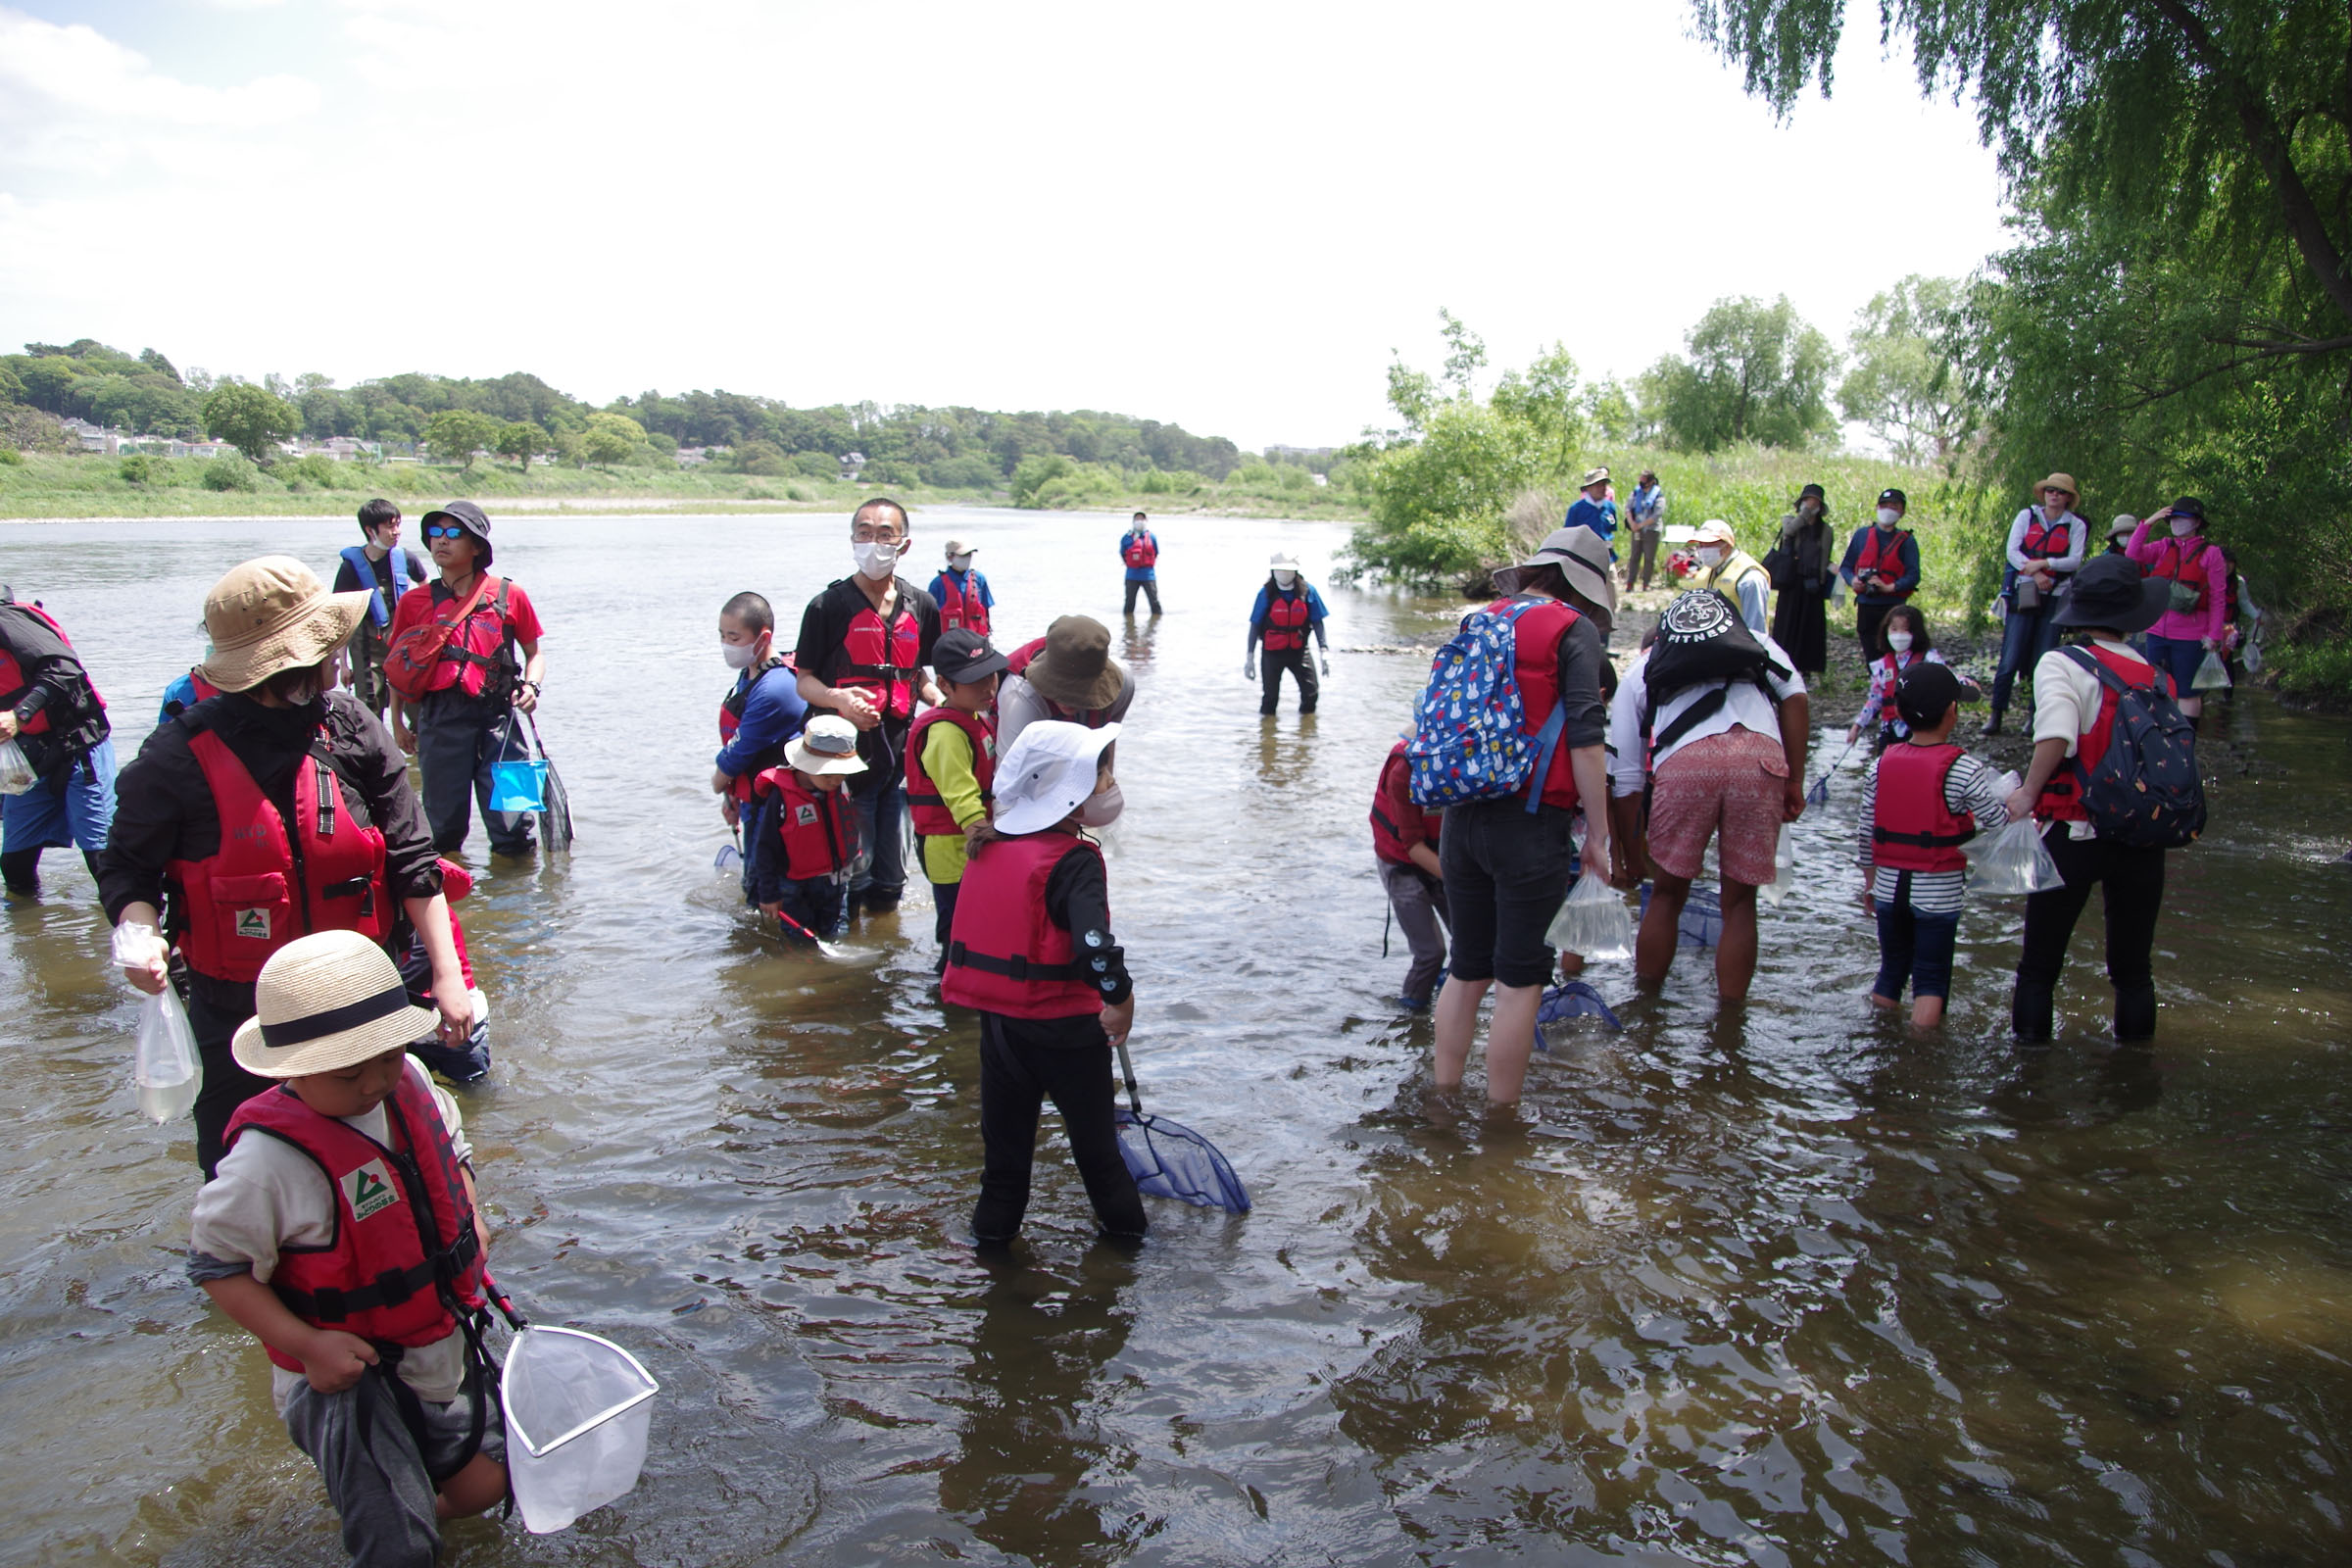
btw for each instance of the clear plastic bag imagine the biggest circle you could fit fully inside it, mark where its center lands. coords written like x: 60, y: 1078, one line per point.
x: 15, y: 769
x: 2212, y: 675
x: 1784, y: 862
x: 1593, y: 922
x: 165, y: 1069
x: 2011, y: 861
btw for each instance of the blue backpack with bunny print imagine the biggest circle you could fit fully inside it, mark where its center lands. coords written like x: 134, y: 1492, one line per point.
x: 1470, y: 741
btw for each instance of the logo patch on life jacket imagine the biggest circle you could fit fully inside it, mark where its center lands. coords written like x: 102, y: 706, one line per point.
x: 369, y: 1190
x: 803, y: 814
x: 254, y: 923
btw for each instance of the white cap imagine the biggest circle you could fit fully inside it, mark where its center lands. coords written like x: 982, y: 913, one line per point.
x: 1048, y: 774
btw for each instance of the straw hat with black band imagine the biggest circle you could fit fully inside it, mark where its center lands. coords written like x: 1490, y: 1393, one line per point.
x: 1582, y: 557
x: 273, y: 614
x: 325, y: 1002
x: 1074, y: 669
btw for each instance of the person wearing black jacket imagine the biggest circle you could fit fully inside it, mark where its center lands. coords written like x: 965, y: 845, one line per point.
x: 52, y: 714
x: 277, y: 634
x: 1803, y: 569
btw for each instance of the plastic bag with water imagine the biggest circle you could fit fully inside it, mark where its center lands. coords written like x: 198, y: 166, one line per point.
x: 2011, y: 861
x: 15, y: 769
x: 1783, y: 861
x: 1593, y: 922
x: 165, y: 1069
x: 2212, y: 675
x: 578, y: 1408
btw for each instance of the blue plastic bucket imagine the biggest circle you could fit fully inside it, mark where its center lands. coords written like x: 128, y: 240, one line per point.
x: 519, y: 786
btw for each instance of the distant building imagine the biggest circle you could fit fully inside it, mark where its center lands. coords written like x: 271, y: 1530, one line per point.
x: 93, y: 437
x: 852, y: 464
x: 694, y: 457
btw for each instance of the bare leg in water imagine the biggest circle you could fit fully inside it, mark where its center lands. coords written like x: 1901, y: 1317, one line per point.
x: 1510, y: 1034
x: 1735, y: 950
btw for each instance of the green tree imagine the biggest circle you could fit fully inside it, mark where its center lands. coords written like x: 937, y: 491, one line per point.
x: 1754, y: 372
x: 610, y: 439
x: 522, y: 441
x: 1902, y: 384
x: 456, y: 435
x: 250, y: 419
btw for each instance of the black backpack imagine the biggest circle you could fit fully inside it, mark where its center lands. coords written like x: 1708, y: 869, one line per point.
x: 2144, y: 792
x: 1700, y: 639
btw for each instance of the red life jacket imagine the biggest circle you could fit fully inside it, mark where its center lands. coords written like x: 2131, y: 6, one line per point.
x: 474, y: 658
x: 819, y: 828
x: 257, y: 892
x: 1388, y: 836
x: 1914, y: 829
x: 1288, y: 618
x: 1005, y: 954
x: 960, y: 604
x: 2045, y: 539
x: 2185, y: 564
x: 2061, y: 797
x: 883, y: 660
x: 924, y: 804
x: 1141, y: 550
x: 378, y: 1277
x: 1886, y: 558
x: 730, y: 719
x: 1535, y: 663
x: 1016, y: 663
x: 1889, y: 714
x: 13, y: 681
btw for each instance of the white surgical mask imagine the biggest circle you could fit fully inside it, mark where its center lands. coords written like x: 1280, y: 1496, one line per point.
x: 741, y: 655
x: 1899, y: 641
x: 1711, y: 555
x: 877, y: 559
x: 1102, y: 808
x: 1285, y: 579
x: 1889, y: 517
x: 2182, y: 526
x: 963, y: 562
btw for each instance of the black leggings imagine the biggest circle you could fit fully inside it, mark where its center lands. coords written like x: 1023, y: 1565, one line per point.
x: 1015, y: 1080
x: 1300, y: 663
x: 2132, y: 884
x: 223, y: 1084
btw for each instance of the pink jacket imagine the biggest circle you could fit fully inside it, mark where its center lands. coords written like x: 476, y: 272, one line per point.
x: 2187, y: 625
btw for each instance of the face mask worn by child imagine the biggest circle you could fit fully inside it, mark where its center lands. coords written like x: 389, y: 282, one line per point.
x: 877, y: 559
x: 959, y: 563
x: 741, y: 655
x: 1102, y: 808
x: 1286, y: 579
x: 2182, y: 526
x: 1889, y: 517
x: 1899, y: 641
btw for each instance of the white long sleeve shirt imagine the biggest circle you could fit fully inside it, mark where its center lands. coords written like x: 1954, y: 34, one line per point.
x: 2078, y: 538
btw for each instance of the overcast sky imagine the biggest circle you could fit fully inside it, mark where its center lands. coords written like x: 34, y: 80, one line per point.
x: 1225, y: 216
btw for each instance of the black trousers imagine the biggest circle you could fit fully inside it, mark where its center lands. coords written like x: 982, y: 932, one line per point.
x: 1015, y: 1080
x: 1300, y: 663
x: 1868, y: 618
x: 223, y: 1084
x: 458, y: 738
x: 1147, y: 585
x: 2132, y: 881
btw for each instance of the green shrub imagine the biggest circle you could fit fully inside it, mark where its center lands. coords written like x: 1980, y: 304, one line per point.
x: 815, y: 466
x: 140, y: 469
x: 1035, y: 474
x: 230, y: 471
x: 2310, y: 665
x: 316, y: 471
x: 799, y: 492
x: 963, y: 474
x: 11, y: 458
x: 763, y: 458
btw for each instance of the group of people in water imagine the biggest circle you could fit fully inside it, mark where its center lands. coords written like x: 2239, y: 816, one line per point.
x: 264, y: 861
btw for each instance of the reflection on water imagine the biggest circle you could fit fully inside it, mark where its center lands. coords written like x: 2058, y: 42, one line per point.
x: 1781, y: 1284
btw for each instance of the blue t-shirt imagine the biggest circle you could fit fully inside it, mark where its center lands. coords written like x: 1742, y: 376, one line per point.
x: 1598, y: 515
x: 771, y: 715
x: 1315, y: 607
x: 1140, y: 574
x: 977, y: 584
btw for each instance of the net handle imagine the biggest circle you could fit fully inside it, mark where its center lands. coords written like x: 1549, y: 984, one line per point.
x: 1127, y: 1074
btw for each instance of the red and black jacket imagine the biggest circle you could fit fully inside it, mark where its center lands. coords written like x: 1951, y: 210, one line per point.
x: 730, y: 719
x: 1883, y: 553
x: 1914, y: 829
x: 884, y: 661
x: 85, y: 708
x: 1140, y: 550
x: 1537, y: 639
x: 1398, y: 824
x: 2061, y: 797
x: 404, y: 1248
x: 1005, y: 954
x: 924, y: 804
x: 2045, y: 539
x: 1891, y: 667
x: 2183, y: 559
x: 961, y: 604
x: 1290, y: 620
x: 819, y: 828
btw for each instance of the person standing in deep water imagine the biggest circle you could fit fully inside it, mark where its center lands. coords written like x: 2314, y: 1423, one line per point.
x: 1286, y: 612
x: 1139, y: 547
x: 864, y: 652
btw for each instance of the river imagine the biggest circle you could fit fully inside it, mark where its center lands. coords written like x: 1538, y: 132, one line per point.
x: 1790, y: 1286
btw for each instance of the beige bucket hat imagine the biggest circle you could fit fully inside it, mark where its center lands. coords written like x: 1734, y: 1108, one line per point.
x: 271, y: 614
x: 826, y: 744
x: 1582, y: 557
x: 324, y: 1002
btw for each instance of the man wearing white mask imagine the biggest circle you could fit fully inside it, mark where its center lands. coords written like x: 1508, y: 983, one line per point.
x: 1286, y: 612
x: 1730, y: 571
x: 865, y: 652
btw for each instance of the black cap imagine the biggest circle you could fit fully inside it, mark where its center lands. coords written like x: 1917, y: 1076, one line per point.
x: 469, y: 516
x: 2112, y: 591
x: 1895, y: 497
x: 1925, y: 693
x: 1816, y: 492
x: 962, y: 656
x: 2189, y: 507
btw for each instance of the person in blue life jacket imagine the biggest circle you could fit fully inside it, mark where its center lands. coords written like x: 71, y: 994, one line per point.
x: 964, y: 599
x: 1596, y: 508
x: 1287, y: 611
x: 760, y: 711
x: 1139, y: 547
x: 378, y: 567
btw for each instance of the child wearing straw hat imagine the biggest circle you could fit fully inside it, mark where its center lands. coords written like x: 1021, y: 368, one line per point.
x: 313, y: 1238
x: 805, y: 831
x: 1032, y: 951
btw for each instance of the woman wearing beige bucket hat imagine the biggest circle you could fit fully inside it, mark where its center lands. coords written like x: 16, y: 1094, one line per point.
x: 276, y: 809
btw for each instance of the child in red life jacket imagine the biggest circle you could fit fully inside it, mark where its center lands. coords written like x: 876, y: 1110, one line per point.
x: 1920, y: 801
x: 951, y: 764
x: 1032, y: 951
x: 1405, y: 844
x: 1905, y: 644
x: 341, y: 1231
x: 804, y: 833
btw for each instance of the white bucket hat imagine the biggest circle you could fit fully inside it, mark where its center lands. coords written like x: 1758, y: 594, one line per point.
x: 828, y: 745
x: 324, y: 1002
x: 1048, y: 774
x: 1282, y: 561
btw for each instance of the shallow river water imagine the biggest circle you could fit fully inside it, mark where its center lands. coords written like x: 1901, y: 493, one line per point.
x: 1786, y: 1287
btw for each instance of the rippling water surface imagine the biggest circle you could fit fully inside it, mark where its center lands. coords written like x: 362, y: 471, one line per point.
x: 1790, y: 1286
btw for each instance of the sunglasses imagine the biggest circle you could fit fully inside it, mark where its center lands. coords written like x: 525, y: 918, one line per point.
x: 432, y: 532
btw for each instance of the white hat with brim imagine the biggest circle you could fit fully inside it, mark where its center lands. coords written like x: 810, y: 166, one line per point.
x: 828, y: 745
x: 325, y: 1002
x: 1582, y: 557
x: 1048, y: 774
x: 1282, y: 561
x: 957, y: 547
x: 273, y: 614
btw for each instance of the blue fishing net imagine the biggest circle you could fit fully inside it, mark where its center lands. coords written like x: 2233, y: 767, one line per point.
x: 1171, y: 1161
x: 1701, y: 924
x: 1569, y: 1001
